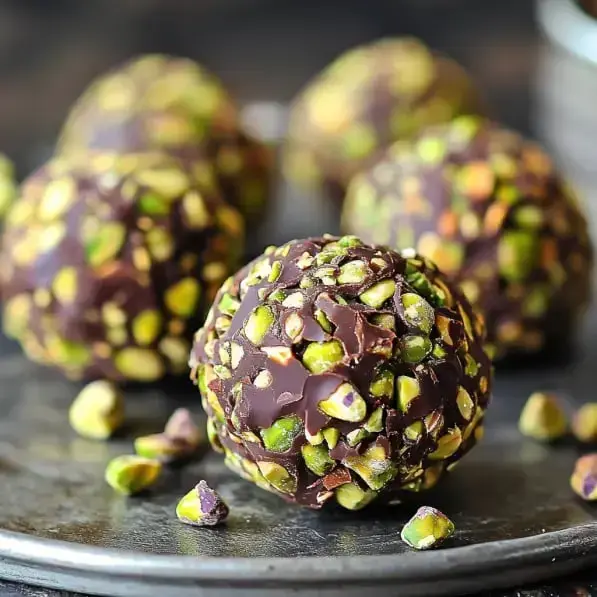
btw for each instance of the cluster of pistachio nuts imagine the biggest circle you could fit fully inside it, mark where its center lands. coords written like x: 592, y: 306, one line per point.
x: 366, y: 99
x: 110, y: 261
x: 333, y: 369
x: 487, y: 207
x: 172, y: 105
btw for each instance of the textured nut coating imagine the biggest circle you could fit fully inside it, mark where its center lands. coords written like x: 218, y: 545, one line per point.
x: 366, y: 99
x: 329, y: 368
x: 162, y: 103
x: 488, y: 208
x: 107, y: 263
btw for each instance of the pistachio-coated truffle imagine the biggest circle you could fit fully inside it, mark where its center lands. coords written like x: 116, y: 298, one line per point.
x: 332, y: 371
x: 366, y: 99
x: 107, y: 264
x: 162, y: 103
x: 489, y: 209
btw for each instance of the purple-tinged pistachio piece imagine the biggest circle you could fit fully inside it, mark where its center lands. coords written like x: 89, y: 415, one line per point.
x: 202, y: 507
x: 584, y: 477
x: 427, y: 529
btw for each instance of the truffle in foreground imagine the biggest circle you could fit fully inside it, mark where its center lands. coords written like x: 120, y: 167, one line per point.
x: 330, y: 369
x: 489, y: 208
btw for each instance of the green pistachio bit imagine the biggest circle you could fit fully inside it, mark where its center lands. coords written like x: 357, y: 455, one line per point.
x: 258, y: 324
x: 181, y: 298
x: 98, y: 411
x: 323, y: 321
x: 278, y: 476
x: 543, y: 418
x: 213, y: 437
x: 222, y: 325
x: 518, y: 252
x: 418, y: 312
x: 439, y: 352
x: 407, y: 389
x: 322, y: 356
x: 317, y: 459
x: 373, y: 466
x: 307, y: 282
x: 378, y: 294
x: 279, y: 437
x: 356, y: 437
x: 105, y: 244
x: 471, y: 367
x: 384, y: 320
x: 314, y: 440
x: 294, y: 300
x: 421, y: 283
x: 529, y: 216
x: 222, y: 372
x: 584, y: 477
x: 584, y: 424
x: 277, y: 296
x: 348, y: 241
x: 331, y: 436
x: 414, y: 431
x: 263, y: 379
x: 374, y: 423
x: 159, y: 446
x: 465, y: 403
x: 146, y: 326
x: 276, y: 271
x: 131, y: 474
x: 447, y: 445
x: 329, y: 254
x: 345, y: 404
x: 202, y: 506
x: 228, y: 305
x: 536, y: 303
x: 139, y: 364
x: 414, y: 349
x: 353, y: 272
x: 382, y: 384
x: 237, y: 352
x: 427, y: 529
x: 352, y: 497
x: 293, y: 326
x: 154, y: 204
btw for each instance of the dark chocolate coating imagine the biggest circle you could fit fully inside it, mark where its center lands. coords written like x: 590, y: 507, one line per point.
x: 365, y: 100
x: 162, y: 103
x: 109, y: 262
x: 488, y: 207
x: 247, y: 387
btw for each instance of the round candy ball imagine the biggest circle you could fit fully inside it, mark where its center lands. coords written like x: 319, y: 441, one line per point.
x: 366, y: 99
x: 332, y: 371
x: 108, y: 263
x: 162, y: 103
x: 489, y: 209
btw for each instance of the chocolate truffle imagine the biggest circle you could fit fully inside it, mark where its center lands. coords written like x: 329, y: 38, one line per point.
x: 332, y: 371
x: 366, y: 99
x: 489, y: 209
x: 162, y: 103
x: 107, y: 264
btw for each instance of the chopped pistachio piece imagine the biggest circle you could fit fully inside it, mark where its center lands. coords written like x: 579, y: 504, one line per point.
x: 317, y: 459
x: 378, y: 294
x: 357, y: 436
x: 132, y: 474
x: 353, y: 272
x: 331, y: 436
x: 158, y: 446
x: 213, y: 437
x: 323, y: 321
x: 374, y: 423
x: 418, y: 312
x: 322, y: 356
x: 427, y: 529
x: 258, y: 324
x: 314, y: 440
x: 352, y: 497
x: 407, y: 389
x: 584, y: 477
x: 98, y: 411
x: 382, y: 384
x: 280, y: 436
x: 139, y: 364
x: 517, y: 254
x: 543, y: 418
x: 202, y: 506
x: 181, y: 425
x: 277, y: 476
x: 373, y: 466
x: 447, y: 445
x: 345, y: 404
x: 584, y: 423
x: 228, y: 305
x: 413, y: 349
x: 465, y: 403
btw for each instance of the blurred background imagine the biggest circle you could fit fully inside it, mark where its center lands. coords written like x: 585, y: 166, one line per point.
x: 266, y: 50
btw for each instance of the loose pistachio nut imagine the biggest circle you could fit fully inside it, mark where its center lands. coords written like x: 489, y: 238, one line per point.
x: 584, y: 477
x: 98, y: 410
x: 327, y: 382
x: 460, y: 194
x: 131, y: 474
x: 427, y: 529
x: 103, y: 242
x: 543, y: 418
x: 584, y: 423
x: 202, y: 507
